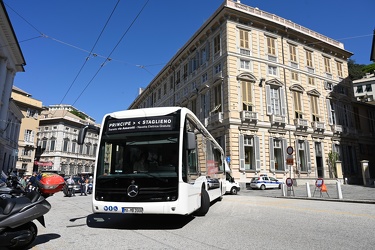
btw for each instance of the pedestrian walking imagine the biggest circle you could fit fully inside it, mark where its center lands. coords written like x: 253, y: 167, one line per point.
x: 82, y: 184
x: 33, y: 182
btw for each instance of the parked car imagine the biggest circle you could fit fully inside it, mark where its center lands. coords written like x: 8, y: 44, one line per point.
x: 263, y: 182
x: 212, y: 183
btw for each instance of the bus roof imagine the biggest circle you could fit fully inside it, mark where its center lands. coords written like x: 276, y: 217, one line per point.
x: 145, y: 112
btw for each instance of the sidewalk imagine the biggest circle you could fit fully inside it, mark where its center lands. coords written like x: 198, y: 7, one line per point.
x: 350, y: 193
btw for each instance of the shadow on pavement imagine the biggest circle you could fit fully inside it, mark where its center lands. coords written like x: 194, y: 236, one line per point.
x: 43, y: 238
x: 144, y: 221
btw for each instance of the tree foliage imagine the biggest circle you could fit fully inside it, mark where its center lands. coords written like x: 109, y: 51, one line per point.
x: 332, y: 158
x: 355, y: 70
x: 358, y: 71
x: 79, y: 114
x: 369, y: 68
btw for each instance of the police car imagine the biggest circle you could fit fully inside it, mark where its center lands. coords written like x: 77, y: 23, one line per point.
x: 263, y: 181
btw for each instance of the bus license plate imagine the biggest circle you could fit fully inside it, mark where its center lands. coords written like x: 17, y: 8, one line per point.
x: 132, y: 210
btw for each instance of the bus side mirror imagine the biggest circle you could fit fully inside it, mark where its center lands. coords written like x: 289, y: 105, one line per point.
x: 190, y: 145
x: 83, y: 131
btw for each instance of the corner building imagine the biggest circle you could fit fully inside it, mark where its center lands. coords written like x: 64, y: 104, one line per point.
x: 31, y: 110
x: 261, y: 83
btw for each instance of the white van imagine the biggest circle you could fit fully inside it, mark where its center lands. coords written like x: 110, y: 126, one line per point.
x: 232, y: 186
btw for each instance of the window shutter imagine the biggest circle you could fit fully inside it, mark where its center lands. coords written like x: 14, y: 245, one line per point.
x: 257, y: 153
x: 285, y: 145
x: 329, y: 110
x: 268, y: 100
x: 308, y: 157
x: 242, y: 152
x: 282, y: 101
x: 297, y: 156
x: 272, y: 156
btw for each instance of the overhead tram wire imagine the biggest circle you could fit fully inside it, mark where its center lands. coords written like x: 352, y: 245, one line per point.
x: 42, y: 35
x: 90, y: 53
x: 108, y: 57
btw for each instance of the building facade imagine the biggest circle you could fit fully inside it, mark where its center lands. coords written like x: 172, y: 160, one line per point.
x: 260, y: 84
x: 11, y: 62
x: 31, y: 110
x: 364, y: 89
x: 57, y: 136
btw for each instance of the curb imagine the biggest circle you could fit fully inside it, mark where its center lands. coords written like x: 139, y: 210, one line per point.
x: 325, y: 199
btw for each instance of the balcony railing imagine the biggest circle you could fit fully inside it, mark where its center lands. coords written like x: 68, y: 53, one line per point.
x: 336, y: 129
x: 300, y: 123
x: 249, y: 116
x: 318, y: 126
x: 216, y: 117
x: 278, y: 120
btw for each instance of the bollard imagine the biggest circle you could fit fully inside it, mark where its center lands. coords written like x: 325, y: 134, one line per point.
x: 308, y: 190
x: 339, y: 191
x: 283, y: 190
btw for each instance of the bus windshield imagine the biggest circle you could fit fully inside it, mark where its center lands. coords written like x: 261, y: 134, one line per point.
x: 139, y: 153
x: 143, y: 151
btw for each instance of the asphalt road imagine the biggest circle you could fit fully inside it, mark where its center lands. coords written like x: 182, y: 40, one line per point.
x: 250, y: 220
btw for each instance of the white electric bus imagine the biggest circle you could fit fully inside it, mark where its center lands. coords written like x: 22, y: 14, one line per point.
x: 156, y: 161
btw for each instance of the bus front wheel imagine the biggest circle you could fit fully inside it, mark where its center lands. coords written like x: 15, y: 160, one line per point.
x: 205, y: 203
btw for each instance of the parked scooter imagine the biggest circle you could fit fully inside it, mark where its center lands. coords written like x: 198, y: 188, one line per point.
x: 11, y: 188
x: 17, y: 229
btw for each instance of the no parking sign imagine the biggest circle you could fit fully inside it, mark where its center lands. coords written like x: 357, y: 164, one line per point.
x: 289, y: 182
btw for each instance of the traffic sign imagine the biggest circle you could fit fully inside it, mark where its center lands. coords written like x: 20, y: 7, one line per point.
x: 289, y: 150
x: 289, y: 160
x: 289, y: 182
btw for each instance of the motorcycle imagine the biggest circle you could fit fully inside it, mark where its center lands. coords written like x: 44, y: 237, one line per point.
x: 11, y: 188
x: 17, y: 229
x: 69, y: 190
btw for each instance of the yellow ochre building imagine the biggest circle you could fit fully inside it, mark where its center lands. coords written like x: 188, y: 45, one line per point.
x: 260, y: 84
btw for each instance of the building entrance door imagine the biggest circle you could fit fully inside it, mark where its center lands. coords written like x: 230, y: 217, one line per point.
x: 319, y: 160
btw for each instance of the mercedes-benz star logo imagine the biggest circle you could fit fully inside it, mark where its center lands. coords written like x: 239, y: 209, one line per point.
x: 132, y: 190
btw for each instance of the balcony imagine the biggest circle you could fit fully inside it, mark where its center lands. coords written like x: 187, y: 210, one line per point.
x: 336, y: 129
x: 216, y: 117
x: 278, y: 120
x: 249, y: 116
x: 30, y: 144
x: 349, y: 130
x: 300, y: 123
x: 318, y: 126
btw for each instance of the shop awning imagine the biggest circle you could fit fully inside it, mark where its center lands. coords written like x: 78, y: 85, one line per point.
x: 43, y: 163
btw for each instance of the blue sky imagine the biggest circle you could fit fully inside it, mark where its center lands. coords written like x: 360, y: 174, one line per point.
x: 140, y: 38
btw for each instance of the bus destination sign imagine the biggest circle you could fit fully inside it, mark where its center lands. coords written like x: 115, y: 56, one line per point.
x: 140, y: 124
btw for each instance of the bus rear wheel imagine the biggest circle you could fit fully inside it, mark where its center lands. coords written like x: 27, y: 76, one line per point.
x: 205, y: 203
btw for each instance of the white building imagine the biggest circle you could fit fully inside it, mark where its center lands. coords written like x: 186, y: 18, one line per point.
x: 364, y: 89
x: 57, y: 135
x: 11, y: 62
